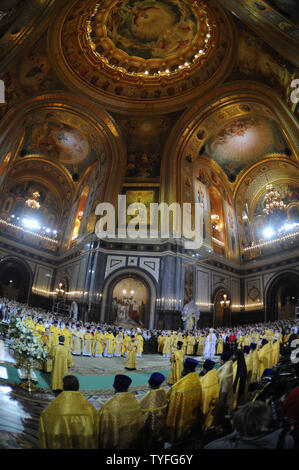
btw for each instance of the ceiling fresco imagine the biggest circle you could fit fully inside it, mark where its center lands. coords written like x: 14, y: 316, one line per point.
x: 244, y: 141
x: 126, y: 59
x: 137, y: 31
x: 63, y: 138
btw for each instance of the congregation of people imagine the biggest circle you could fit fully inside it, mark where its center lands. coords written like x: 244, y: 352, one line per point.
x: 180, y: 408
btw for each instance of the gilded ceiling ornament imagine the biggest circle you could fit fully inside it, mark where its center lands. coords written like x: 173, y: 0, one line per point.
x: 136, y: 51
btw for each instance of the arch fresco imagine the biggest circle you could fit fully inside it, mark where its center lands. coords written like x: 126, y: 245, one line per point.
x: 143, y: 278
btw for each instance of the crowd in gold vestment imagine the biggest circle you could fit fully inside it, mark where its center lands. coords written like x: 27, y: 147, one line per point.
x: 195, y: 402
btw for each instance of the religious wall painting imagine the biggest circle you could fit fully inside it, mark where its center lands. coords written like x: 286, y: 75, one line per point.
x: 145, y: 139
x: 188, y: 284
x: 232, y: 231
x: 130, y: 299
x: 257, y: 61
x: 289, y: 194
x: 59, y: 142
x: 142, y: 199
x: 242, y: 142
x: 201, y: 196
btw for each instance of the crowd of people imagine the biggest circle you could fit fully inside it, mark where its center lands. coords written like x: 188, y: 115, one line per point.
x: 216, y: 407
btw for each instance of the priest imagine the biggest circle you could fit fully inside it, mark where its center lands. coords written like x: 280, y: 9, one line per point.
x: 69, y: 421
x: 121, y: 419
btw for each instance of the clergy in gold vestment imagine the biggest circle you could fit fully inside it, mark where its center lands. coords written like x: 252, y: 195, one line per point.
x: 118, y: 344
x: 167, y: 346
x: 62, y: 360
x: 264, y: 358
x: 176, y: 360
x: 185, y: 401
x: 69, y: 421
x: 201, y: 345
x: 88, y: 341
x: 39, y: 329
x: 131, y: 358
x: 97, y: 347
x: 225, y: 378
x: 108, y: 343
x: 47, y: 366
x: 210, y: 393
x: 126, y: 341
x: 191, y: 341
x: 154, y: 410
x: 67, y: 333
x: 219, y: 348
x: 56, y: 332
x: 77, y: 341
x: 121, y: 420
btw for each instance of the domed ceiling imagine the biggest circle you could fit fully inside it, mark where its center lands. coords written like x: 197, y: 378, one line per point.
x: 144, y: 53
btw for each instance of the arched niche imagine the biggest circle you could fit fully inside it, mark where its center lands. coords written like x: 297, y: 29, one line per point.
x: 70, y: 114
x: 15, y: 279
x: 114, y: 279
x: 283, y: 174
x: 282, y: 296
x: 222, y: 307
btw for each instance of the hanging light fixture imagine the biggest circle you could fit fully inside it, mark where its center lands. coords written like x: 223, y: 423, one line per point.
x: 272, y: 201
x: 33, y: 202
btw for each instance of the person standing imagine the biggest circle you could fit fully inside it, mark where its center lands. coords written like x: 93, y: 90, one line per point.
x: 210, y: 345
x: 225, y: 377
x: 176, y: 360
x: 77, y: 341
x: 120, y: 419
x: 97, y: 347
x: 131, y: 358
x: 62, y: 360
x: 56, y: 332
x: 185, y: 402
x: 154, y: 410
x: 108, y: 343
x: 69, y: 421
x: 167, y: 346
x: 88, y: 340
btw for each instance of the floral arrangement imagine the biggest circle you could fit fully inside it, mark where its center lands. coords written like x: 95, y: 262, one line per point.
x: 24, y: 343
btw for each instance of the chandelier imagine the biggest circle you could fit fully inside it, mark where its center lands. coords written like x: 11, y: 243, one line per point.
x: 273, y: 201
x: 33, y: 203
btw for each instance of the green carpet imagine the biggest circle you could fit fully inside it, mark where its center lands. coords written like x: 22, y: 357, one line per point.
x: 87, y: 382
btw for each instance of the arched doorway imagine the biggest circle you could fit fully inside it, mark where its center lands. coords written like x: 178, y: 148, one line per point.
x: 282, y: 297
x: 129, y: 299
x: 15, y: 280
x: 222, y: 308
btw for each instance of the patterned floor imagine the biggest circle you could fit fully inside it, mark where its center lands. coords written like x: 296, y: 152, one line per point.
x: 20, y: 411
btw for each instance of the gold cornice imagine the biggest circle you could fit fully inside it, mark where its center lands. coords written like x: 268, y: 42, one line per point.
x: 282, y: 42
